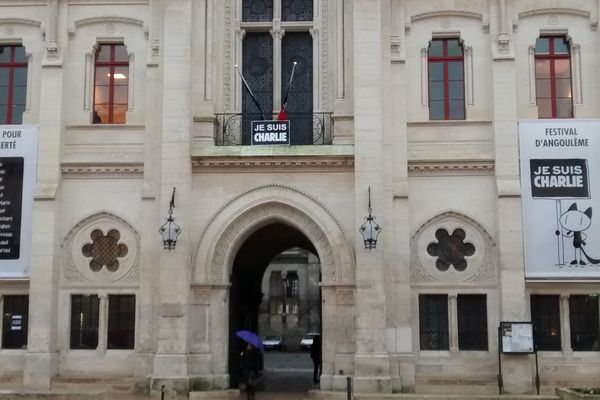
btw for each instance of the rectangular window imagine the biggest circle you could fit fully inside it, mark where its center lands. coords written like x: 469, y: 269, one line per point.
x: 121, y: 321
x: 13, y: 83
x: 84, y: 321
x: 433, y: 321
x: 585, y: 328
x: 545, y: 315
x: 446, y: 80
x: 472, y: 322
x: 111, y: 82
x: 554, y: 96
x: 14, y: 322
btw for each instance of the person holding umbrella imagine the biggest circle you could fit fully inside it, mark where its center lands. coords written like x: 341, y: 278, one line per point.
x: 251, y: 363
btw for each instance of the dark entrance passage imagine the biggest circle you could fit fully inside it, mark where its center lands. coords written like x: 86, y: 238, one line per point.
x: 288, y: 368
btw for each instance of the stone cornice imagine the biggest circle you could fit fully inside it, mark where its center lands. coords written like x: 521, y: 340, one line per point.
x: 273, y: 163
x: 89, y: 170
x: 451, y: 167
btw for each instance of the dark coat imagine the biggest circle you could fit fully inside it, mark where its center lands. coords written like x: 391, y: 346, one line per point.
x: 251, y: 365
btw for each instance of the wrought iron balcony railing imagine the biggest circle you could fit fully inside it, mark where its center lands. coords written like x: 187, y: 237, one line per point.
x: 305, y: 128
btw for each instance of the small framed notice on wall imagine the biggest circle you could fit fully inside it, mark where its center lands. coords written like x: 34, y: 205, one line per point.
x: 516, y: 337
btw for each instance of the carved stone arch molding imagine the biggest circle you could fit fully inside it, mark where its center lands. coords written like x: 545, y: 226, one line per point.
x: 109, y: 24
x: 227, y: 230
x: 554, y: 13
x: 481, y: 260
x: 81, y: 263
x: 446, y: 15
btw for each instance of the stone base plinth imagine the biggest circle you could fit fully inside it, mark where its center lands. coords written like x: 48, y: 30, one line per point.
x: 40, y: 368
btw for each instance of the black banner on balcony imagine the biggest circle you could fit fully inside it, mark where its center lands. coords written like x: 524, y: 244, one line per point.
x: 270, y: 132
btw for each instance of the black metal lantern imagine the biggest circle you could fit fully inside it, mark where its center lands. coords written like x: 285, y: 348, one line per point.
x: 170, y: 231
x: 370, y: 230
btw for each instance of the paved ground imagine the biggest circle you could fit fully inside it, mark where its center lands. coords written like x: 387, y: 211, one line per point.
x: 288, y: 372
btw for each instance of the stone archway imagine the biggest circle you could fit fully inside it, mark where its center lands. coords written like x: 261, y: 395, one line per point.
x: 229, y: 229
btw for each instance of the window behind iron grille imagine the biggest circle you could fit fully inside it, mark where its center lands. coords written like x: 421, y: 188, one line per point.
x: 121, y: 321
x: 14, y: 322
x: 585, y: 331
x: 472, y: 322
x: 433, y: 321
x: 84, y: 321
x: 13, y: 83
x: 545, y: 315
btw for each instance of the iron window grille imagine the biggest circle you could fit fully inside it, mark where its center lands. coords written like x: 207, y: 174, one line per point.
x: 15, y: 315
x: 121, y: 322
x: 472, y: 322
x: 545, y: 315
x: 84, y: 321
x: 585, y: 328
x: 433, y: 322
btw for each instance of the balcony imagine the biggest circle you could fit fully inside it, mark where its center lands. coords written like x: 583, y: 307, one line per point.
x: 305, y: 128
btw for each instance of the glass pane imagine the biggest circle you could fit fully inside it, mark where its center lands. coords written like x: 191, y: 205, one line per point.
x: 119, y: 113
x: 100, y: 114
x: 436, y: 48
x: 101, y: 94
x: 121, y: 53
x: 564, y: 108
x: 436, y: 90
x: 455, y: 70
x: 542, y: 68
x: 562, y: 68
x: 563, y: 88
x: 103, y: 53
x: 457, y: 109
x: 17, y: 113
x: 120, y: 95
x: 19, y: 93
x: 121, y: 76
x: 433, y: 322
x: 542, y: 88
x: 20, y: 56
x: 545, y: 314
x: 436, y: 110
x: 561, y: 46
x: 20, y: 77
x: 436, y: 71
x: 472, y: 322
x: 297, y: 10
x: 4, y: 54
x: 3, y: 76
x: 585, y: 329
x: 542, y: 46
x: 456, y: 90
x: 102, y: 74
x: 3, y: 114
x: 257, y: 10
x: 544, y: 108
x: 3, y: 95
x: 454, y: 48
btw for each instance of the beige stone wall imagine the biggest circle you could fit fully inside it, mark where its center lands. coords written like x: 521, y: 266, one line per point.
x: 371, y: 72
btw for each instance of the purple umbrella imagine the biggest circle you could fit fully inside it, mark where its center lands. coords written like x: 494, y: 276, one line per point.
x: 252, y: 338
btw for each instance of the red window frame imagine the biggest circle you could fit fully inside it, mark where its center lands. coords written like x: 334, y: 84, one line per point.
x: 445, y: 59
x: 112, y: 63
x: 552, y: 57
x: 12, y: 66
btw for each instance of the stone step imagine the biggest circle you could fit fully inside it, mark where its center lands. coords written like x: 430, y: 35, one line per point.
x: 109, y: 385
x: 53, y: 395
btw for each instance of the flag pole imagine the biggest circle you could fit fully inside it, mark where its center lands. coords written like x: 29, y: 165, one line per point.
x: 282, y: 112
x: 262, y: 114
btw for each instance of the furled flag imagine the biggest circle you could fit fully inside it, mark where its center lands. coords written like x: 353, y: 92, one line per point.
x: 282, y: 114
x: 262, y: 114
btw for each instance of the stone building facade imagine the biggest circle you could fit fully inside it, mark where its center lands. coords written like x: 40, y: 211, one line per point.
x: 442, y: 173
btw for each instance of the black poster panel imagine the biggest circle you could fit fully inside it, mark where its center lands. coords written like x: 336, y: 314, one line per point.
x: 559, y: 178
x: 11, y: 194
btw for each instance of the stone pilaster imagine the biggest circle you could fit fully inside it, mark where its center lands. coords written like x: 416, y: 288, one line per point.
x: 41, y: 359
x: 171, y: 359
x: 372, y: 364
x: 517, y: 371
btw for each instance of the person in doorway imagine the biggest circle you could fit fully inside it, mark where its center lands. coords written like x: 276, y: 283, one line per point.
x: 250, y: 369
x: 315, y: 354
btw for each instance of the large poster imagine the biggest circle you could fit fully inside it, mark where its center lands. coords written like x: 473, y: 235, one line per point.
x: 560, y: 181
x: 18, y: 155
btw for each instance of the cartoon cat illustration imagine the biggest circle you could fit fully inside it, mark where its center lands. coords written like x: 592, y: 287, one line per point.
x: 575, y: 222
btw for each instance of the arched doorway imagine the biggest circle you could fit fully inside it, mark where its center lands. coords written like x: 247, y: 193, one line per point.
x: 230, y: 232
x: 246, y: 296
